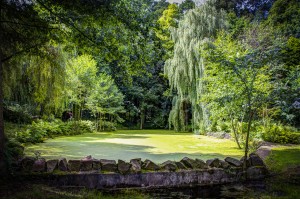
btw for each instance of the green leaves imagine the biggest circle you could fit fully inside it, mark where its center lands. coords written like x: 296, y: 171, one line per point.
x: 185, y: 69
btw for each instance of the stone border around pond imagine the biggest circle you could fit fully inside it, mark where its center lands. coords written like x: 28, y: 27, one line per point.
x: 94, y: 173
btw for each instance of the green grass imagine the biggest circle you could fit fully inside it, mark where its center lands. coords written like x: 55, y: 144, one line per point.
x: 283, y: 157
x: 156, y: 145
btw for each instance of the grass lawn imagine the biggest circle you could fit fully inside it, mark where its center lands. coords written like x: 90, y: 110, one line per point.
x: 283, y: 157
x: 156, y: 145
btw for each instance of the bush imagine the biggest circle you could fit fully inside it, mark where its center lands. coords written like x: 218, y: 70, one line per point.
x: 280, y: 134
x: 16, y: 116
x: 13, y: 151
x: 41, y: 130
x: 78, y: 127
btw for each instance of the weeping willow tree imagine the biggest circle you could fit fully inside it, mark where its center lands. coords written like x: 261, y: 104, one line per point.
x: 185, y: 68
x: 37, y: 79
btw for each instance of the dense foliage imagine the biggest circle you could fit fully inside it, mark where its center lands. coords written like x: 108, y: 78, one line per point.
x: 207, y: 66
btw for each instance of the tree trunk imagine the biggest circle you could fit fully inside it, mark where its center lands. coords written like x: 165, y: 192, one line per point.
x: 142, y: 118
x: 234, y: 128
x: 2, y: 136
x: 76, y: 112
x: 100, y: 122
x: 247, y: 138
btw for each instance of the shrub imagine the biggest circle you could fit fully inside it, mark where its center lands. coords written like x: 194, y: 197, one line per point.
x: 16, y: 116
x: 78, y: 127
x: 280, y: 134
x: 39, y: 131
x: 13, y: 151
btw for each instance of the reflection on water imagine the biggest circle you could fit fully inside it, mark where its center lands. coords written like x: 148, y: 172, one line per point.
x: 215, y: 191
x: 270, y: 188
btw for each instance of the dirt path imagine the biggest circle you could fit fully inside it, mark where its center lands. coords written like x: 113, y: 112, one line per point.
x: 265, y: 149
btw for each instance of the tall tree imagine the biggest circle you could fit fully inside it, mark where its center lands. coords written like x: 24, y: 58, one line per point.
x: 21, y: 30
x: 285, y: 17
x: 106, y: 102
x: 186, y: 67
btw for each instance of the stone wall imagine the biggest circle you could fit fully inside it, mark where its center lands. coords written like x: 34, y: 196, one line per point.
x: 94, y: 173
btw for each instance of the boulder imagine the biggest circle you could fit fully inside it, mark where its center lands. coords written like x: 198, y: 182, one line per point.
x: 200, y: 164
x: 224, y: 165
x: 39, y: 165
x: 151, y: 166
x: 62, y: 164
x: 139, y: 160
x: 86, y: 164
x: 136, y: 166
x: 123, y: 167
x: 96, y: 164
x: 169, y: 166
x: 213, y: 162
x: 233, y: 162
x: 108, y: 165
x: 89, y: 157
x: 51, y: 165
x: 255, y: 160
x: 256, y: 172
x: 27, y: 163
x: 189, y: 163
x: 180, y: 165
x: 74, y: 165
x: 248, y: 164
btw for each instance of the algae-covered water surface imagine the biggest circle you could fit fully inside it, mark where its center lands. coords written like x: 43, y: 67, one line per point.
x: 157, y: 145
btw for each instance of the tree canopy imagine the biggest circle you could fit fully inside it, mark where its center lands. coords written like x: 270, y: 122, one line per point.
x: 212, y: 66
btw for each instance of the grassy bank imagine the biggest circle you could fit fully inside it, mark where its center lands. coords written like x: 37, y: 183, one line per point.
x: 283, y: 157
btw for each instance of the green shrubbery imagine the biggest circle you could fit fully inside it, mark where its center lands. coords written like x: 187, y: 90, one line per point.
x: 280, y: 134
x: 41, y: 130
x: 270, y: 131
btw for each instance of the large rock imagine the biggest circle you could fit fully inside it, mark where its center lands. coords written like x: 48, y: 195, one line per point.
x: 39, y: 165
x: 89, y: 157
x: 189, y: 163
x: 27, y: 163
x: 151, y: 166
x: 248, y: 164
x: 213, y: 162
x: 136, y: 165
x: 200, y: 164
x: 51, y: 165
x: 224, y: 165
x: 87, y: 163
x: 233, y: 162
x: 123, y: 167
x: 180, y: 165
x: 256, y: 172
x: 62, y: 164
x: 108, y: 165
x: 255, y: 160
x: 169, y: 166
x: 96, y: 164
x: 74, y: 165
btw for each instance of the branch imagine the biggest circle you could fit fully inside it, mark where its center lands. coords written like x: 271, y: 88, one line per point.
x: 27, y: 25
x: 18, y: 52
x: 66, y: 22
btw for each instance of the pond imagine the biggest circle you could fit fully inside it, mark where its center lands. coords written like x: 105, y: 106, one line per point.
x: 156, y: 145
x: 273, y: 187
